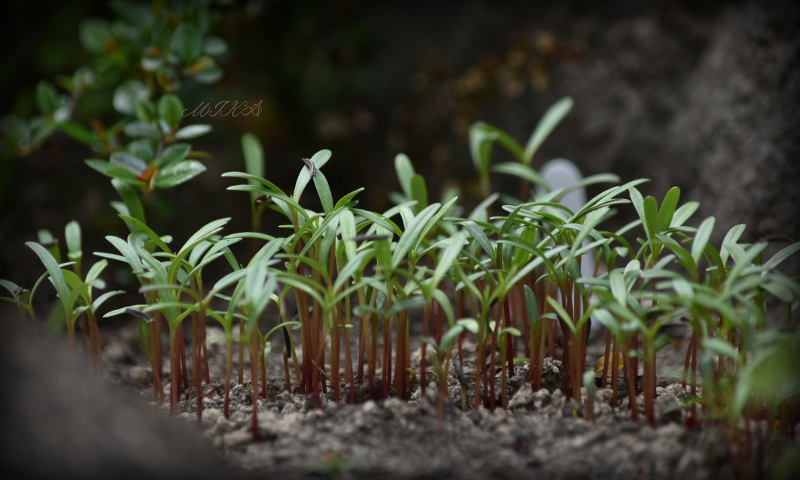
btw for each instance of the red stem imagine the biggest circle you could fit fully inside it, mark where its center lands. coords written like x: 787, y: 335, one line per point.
x: 254, y: 387
x: 348, y: 366
x: 423, y: 362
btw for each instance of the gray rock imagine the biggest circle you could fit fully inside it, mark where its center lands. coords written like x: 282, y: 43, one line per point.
x: 522, y: 400
x: 237, y: 439
x: 140, y: 375
x: 210, y: 417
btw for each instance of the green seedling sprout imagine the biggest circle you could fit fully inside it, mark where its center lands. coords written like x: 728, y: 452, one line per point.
x: 518, y: 274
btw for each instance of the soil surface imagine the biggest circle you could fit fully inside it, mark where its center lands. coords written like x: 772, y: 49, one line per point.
x: 62, y: 418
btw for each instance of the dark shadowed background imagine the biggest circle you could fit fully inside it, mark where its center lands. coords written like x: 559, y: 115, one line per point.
x: 691, y: 94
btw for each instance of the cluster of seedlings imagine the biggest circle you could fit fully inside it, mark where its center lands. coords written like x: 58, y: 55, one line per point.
x: 508, y: 273
x: 513, y: 280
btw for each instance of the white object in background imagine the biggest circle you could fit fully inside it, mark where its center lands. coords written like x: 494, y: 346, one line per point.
x: 561, y: 173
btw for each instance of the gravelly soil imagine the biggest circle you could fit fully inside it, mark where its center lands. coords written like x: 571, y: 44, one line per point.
x: 540, y: 434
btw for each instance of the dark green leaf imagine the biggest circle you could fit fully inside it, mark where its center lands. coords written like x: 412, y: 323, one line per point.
x: 145, y: 110
x: 531, y: 306
x: 187, y: 43
x: 126, y: 94
x: 129, y: 161
x: 123, y: 174
x: 79, y: 133
x: 95, y: 34
x: 668, y: 206
x: 169, y: 109
x: 141, y: 130
x: 46, y: 97
x: 174, y: 153
x: 651, y: 220
x: 101, y: 166
x: 662, y: 341
x: 130, y: 196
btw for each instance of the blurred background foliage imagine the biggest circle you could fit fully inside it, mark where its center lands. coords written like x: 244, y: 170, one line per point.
x: 368, y: 80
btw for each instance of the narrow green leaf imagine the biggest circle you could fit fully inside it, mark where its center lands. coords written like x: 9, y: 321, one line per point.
x: 319, y: 159
x: 145, y: 229
x: 72, y: 234
x: 128, y: 253
x: 348, y: 225
x: 479, y: 214
x: 480, y: 146
x: 779, y: 257
x: 618, y: 288
x: 346, y: 199
x: 324, y: 191
x: 477, y: 233
x: 668, y: 206
x: 407, y: 304
x: 379, y: 220
x: 266, y: 183
x: 652, y: 227
x: 419, y: 192
x: 433, y: 222
x: 562, y: 313
x: 701, y: 239
x: 130, y: 196
x: 684, y: 213
x: 551, y: 118
x: 522, y: 171
x: 53, y: 269
x: 531, y: 306
x: 354, y: 265
x: 720, y: 347
x: 638, y: 204
x: 447, y: 258
x: 405, y: 172
x: 731, y: 237
x: 412, y: 233
x: 253, y: 159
